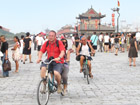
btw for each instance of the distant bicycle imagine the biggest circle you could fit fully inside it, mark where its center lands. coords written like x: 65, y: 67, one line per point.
x: 46, y: 86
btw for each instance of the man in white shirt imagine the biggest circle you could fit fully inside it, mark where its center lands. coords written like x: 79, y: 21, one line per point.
x: 83, y: 50
x: 101, y: 41
x: 40, y: 41
x: 106, y: 42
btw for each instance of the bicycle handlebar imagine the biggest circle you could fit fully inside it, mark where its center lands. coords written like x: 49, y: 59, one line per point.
x: 48, y: 62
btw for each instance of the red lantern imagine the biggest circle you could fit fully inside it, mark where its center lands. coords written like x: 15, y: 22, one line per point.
x: 113, y: 15
x: 113, y: 19
x: 96, y: 20
x: 113, y: 24
x: 78, y: 27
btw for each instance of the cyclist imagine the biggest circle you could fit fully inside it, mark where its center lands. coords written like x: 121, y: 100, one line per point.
x: 55, y: 49
x: 66, y: 65
x: 84, y: 50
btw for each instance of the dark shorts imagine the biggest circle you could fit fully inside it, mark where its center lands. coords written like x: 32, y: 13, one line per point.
x: 39, y: 47
x: 89, y: 58
x: 94, y: 47
x: 106, y: 43
x: 56, y: 67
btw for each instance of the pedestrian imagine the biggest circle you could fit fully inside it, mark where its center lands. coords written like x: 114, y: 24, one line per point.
x: 40, y: 41
x: 46, y: 39
x: 112, y: 43
x: 106, y: 42
x: 88, y: 39
x: 133, y: 51
x: 66, y: 65
x: 128, y: 41
x: 21, y: 47
x: 122, y: 43
x: 16, y: 53
x: 77, y: 40
x: 73, y: 43
x: 4, y: 50
x: 101, y: 42
x: 81, y: 35
x: 117, y: 45
x: 27, y: 47
x: 34, y: 41
x: 94, y: 40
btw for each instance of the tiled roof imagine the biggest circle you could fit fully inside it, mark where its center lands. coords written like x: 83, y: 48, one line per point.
x: 91, y: 13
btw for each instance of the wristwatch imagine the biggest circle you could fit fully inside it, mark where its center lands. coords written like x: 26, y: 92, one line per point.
x: 59, y: 57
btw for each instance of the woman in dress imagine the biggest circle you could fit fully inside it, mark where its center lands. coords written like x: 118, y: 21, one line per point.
x: 27, y: 47
x: 21, y: 47
x: 16, y: 53
x: 133, y: 51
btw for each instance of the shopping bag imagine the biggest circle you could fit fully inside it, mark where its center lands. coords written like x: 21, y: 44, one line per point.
x: 7, y: 65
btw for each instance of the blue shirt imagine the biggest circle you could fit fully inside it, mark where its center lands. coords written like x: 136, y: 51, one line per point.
x: 94, y: 39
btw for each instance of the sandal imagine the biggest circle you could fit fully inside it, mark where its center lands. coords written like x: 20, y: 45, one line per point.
x: 130, y: 65
x: 90, y: 75
x: 134, y: 65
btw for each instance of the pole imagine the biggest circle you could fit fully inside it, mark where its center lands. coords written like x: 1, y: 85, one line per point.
x: 118, y: 20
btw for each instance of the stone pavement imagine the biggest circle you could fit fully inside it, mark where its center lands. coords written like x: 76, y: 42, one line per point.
x: 114, y: 83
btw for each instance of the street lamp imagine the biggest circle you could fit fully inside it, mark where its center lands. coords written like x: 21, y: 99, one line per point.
x: 117, y: 10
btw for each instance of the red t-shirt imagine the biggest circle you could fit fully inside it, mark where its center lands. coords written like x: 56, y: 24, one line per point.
x: 53, y: 50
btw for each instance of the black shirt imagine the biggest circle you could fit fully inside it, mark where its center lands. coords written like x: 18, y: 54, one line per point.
x: 116, y: 40
x: 4, y: 47
x: 27, y: 42
x: 77, y: 38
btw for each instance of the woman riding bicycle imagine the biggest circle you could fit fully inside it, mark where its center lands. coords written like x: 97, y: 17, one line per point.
x: 66, y: 65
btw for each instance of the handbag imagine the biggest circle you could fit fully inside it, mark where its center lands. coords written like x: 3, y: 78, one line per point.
x: 6, y: 65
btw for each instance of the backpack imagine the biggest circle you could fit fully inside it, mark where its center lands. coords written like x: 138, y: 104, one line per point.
x: 82, y: 45
x: 57, y: 43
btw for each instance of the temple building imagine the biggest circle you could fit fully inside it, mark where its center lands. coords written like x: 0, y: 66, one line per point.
x: 91, y: 22
x: 66, y: 30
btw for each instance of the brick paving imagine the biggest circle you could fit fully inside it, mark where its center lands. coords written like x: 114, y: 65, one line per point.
x: 114, y: 83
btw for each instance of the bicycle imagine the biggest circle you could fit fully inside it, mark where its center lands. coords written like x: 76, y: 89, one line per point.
x: 86, y: 69
x: 46, y: 86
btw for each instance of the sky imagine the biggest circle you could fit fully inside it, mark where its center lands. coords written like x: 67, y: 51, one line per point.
x: 37, y: 15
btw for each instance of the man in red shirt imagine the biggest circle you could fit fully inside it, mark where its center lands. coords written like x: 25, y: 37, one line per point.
x: 53, y: 51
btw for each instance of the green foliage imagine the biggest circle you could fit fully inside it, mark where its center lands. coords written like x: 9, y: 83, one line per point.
x: 8, y: 35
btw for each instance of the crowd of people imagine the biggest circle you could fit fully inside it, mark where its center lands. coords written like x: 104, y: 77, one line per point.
x: 58, y: 50
x: 111, y: 43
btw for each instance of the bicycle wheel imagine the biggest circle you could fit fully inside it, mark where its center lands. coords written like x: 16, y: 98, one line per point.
x: 87, y: 74
x: 43, y: 93
x: 84, y: 71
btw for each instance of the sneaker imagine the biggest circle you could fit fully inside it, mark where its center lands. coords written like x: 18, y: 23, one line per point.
x: 59, y: 89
